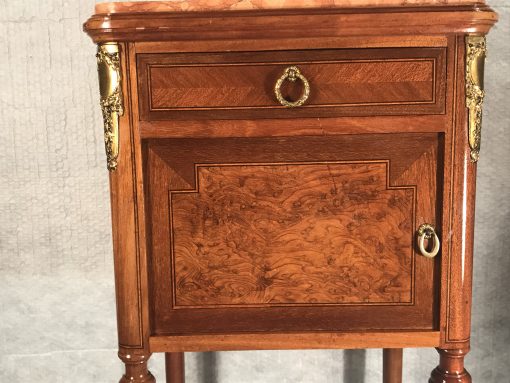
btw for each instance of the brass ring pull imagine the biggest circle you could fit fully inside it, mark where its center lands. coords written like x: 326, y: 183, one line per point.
x: 292, y: 73
x: 427, y: 231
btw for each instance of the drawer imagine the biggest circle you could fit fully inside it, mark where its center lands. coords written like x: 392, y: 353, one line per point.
x: 291, y: 233
x: 240, y: 85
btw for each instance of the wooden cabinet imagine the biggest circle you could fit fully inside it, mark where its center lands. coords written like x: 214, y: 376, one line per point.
x: 285, y: 179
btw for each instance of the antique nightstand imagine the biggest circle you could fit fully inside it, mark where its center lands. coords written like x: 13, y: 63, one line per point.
x: 292, y: 178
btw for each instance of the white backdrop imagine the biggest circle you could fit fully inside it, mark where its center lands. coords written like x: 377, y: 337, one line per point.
x: 57, y: 309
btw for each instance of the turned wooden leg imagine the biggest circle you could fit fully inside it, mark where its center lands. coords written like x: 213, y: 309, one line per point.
x: 174, y: 367
x: 451, y: 367
x: 392, y: 365
x: 136, y: 368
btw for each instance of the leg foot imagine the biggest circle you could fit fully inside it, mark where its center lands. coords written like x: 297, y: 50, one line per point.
x: 392, y: 365
x: 451, y: 367
x: 174, y: 367
x: 136, y: 368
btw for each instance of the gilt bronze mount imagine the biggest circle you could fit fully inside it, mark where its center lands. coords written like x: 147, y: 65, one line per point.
x: 476, y: 49
x: 112, y: 106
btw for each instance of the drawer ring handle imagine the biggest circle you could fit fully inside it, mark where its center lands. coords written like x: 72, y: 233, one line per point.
x: 292, y: 73
x: 427, y: 231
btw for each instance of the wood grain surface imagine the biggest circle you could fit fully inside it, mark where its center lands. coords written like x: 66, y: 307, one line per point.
x: 342, y: 82
x: 222, y: 86
x: 392, y: 365
x: 292, y: 234
x: 451, y: 367
x: 175, y: 367
x: 299, y: 24
x: 128, y: 235
x: 293, y: 341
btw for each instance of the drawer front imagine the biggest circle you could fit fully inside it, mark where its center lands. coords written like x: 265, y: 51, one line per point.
x: 341, y: 82
x: 291, y: 234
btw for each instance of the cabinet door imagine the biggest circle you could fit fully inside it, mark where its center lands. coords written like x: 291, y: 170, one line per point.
x: 291, y: 234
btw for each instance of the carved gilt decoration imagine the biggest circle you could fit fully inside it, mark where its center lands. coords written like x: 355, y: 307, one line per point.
x: 108, y: 64
x: 476, y: 49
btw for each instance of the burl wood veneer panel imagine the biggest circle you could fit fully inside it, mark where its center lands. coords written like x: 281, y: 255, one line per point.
x: 342, y: 82
x: 291, y: 233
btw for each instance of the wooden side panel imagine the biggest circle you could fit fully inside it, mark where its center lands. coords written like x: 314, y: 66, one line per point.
x: 460, y: 220
x: 342, y: 82
x: 292, y: 234
x: 128, y: 237
x: 126, y: 241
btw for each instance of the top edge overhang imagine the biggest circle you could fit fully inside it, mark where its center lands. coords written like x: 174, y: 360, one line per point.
x: 134, y: 26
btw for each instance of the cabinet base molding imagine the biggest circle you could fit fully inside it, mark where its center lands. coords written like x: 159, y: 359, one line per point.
x: 293, y: 341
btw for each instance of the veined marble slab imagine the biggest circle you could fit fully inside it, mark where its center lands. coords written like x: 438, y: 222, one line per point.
x: 207, y: 5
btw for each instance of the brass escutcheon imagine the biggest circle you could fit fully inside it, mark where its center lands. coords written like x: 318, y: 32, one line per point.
x: 292, y: 73
x: 427, y: 231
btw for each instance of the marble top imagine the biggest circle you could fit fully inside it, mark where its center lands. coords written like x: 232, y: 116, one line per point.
x: 208, y: 5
